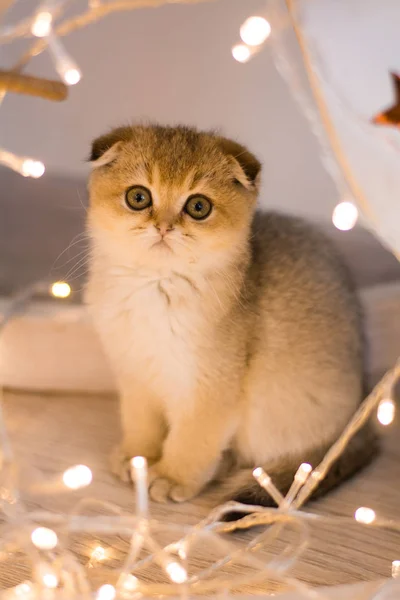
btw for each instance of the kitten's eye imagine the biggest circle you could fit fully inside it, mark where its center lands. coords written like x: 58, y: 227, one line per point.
x: 198, y: 207
x: 138, y: 197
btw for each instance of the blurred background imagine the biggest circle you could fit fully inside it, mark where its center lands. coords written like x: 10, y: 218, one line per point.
x: 172, y: 64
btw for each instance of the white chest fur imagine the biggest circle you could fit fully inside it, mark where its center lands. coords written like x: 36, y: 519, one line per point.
x: 149, y: 329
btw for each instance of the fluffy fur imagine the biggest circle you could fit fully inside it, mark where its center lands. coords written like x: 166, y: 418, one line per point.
x: 236, y: 340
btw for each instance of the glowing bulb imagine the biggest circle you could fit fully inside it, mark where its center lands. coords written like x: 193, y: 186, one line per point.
x: 50, y: 580
x: 386, y: 411
x: 60, y: 289
x: 365, y: 515
x: 138, y: 462
x: 32, y: 168
x: 128, y: 582
x: 176, y: 572
x: 42, y: 24
x: 78, y: 476
x: 64, y: 64
x: 44, y: 539
x: 106, y: 592
x: 98, y: 553
x: 261, y: 476
x: 23, y: 589
x: 255, y: 30
x: 396, y: 569
x: 71, y: 76
x: 345, y: 216
x: 139, y: 477
x: 46, y: 574
x: 241, y: 53
x: 303, y: 472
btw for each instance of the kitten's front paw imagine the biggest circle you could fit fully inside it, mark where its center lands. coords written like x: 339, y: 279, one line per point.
x: 162, y: 487
x: 120, y: 464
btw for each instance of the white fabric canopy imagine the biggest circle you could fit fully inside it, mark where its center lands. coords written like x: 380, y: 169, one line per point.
x: 353, y: 45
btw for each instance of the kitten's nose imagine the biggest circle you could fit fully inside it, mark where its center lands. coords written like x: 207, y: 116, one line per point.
x: 163, y: 228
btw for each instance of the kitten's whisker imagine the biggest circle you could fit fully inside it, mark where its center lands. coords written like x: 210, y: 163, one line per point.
x: 75, y: 240
x: 85, y: 208
x: 80, y: 264
x: 85, y: 251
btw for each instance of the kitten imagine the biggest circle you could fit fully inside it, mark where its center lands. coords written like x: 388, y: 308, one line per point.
x: 235, y: 336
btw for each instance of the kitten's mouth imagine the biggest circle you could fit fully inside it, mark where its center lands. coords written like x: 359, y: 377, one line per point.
x: 162, y: 243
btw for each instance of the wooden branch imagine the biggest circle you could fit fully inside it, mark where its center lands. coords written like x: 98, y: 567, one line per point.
x: 32, y: 86
x: 4, y: 6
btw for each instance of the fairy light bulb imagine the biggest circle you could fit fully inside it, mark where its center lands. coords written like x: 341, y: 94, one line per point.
x: 241, y: 53
x: 66, y: 67
x: 255, y: 30
x: 345, y: 216
x: 46, y: 575
x: 176, y: 572
x: 139, y: 477
x: 28, y: 167
x: 22, y: 590
x: 60, y: 289
x: 44, y: 538
x: 42, y: 23
x: 128, y: 583
x: 396, y: 569
x: 98, y: 554
x: 72, y: 75
x: 78, y: 476
x: 303, y: 472
x: 266, y: 482
x: 32, y: 168
x: 386, y: 411
x: 50, y: 580
x: 365, y: 515
x: 106, y: 592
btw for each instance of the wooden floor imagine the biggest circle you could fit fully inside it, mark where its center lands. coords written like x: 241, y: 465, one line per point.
x: 51, y: 432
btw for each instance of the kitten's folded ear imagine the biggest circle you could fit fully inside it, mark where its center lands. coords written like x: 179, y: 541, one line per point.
x: 250, y: 166
x: 105, y: 148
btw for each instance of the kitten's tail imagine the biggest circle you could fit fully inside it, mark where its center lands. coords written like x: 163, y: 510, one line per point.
x: 360, y: 451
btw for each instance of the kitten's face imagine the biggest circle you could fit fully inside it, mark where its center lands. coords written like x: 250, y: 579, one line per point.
x: 170, y: 199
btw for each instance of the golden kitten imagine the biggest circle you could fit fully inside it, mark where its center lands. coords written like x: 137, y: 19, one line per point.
x: 235, y: 336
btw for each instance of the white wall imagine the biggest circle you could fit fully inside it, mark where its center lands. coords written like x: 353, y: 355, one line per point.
x: 173, y: 64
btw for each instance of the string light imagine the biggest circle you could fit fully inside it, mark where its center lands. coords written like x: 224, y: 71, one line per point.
x: 44, y: 538
x: 345, y: 216
x: 386, y: 411
x: 255, y: 30
x: 176, y: 572
x: 66, y: 67
x: 60, y: 289
x: 365, y: 515
x: 106, y: 592
x: 78, y: 476
x: 241, y: 53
